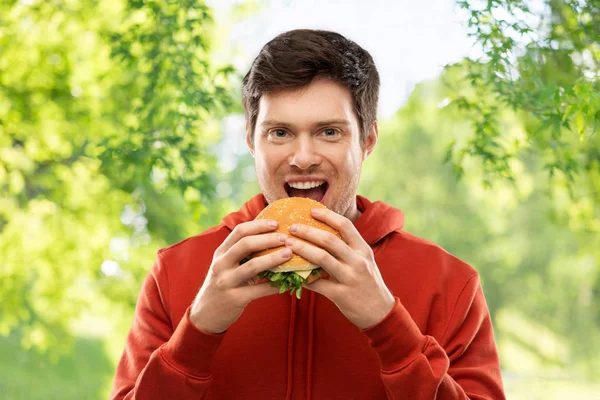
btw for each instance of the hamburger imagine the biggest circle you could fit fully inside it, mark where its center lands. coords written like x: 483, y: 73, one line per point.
x: 296, y: 271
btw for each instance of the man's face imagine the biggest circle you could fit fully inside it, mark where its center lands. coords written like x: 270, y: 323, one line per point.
x: 310, y: 137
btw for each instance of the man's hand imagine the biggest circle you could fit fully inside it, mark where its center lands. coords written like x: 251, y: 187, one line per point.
x: 356, y: 286
x: 229, y: 286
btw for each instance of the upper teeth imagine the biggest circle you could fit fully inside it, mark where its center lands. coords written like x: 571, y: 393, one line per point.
x: 306, y: 185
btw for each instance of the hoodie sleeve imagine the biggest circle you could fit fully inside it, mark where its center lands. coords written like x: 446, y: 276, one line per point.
x: 462, y: 365
x: 160, y: 362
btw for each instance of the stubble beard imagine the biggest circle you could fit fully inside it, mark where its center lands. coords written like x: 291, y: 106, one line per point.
x: 343, y: 203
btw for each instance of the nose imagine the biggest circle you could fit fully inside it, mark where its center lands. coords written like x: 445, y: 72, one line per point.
x: 305, y: 153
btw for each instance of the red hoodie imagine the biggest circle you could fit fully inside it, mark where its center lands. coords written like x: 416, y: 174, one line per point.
x: 436, y: 343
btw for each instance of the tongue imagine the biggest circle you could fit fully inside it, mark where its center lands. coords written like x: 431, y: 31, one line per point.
x: 314, y: 193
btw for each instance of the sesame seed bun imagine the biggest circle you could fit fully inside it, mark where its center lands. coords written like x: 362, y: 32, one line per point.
x: 286, y: 212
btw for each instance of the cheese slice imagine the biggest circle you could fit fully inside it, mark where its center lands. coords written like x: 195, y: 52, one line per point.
x: 303, y: 274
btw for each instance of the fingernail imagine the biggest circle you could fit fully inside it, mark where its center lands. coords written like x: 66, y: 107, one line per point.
x: 282, y: 237
x: 294, y: 228
x: 285, y: 253
x: 315, y: 211
x: 289, y: 242
x: 273, y: 224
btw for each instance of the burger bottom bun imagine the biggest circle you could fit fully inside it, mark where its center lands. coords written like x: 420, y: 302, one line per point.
x: 283, y: 268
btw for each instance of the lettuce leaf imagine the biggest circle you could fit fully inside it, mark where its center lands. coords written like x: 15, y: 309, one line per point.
x: 287, y: 281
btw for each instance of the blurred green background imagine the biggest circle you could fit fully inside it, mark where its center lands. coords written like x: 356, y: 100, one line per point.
x: 121, y: 132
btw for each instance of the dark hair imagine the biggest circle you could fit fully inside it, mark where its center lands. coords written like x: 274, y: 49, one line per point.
x: 295, y: 58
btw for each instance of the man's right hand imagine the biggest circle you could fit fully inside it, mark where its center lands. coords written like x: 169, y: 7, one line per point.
x: 229, y: 286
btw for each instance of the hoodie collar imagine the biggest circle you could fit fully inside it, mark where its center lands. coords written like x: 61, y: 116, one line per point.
x: 376, y: 221
x: 248, y: 212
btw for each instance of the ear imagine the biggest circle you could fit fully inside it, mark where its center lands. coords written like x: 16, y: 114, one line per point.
x: 371, y: 140
x: 249, y: 142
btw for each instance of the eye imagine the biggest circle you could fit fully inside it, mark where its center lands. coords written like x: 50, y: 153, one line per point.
x: 330, y: 133
x: 278, y: 133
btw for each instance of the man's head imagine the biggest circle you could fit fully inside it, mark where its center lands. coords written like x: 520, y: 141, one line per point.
x: 294, y: 59
x: 311, y: 101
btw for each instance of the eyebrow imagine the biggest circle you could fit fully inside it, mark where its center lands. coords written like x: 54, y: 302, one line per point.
x: 334, y: 121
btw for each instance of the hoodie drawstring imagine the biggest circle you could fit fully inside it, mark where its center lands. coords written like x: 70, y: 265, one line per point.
x: 309, y: 361
x: 290, y: 366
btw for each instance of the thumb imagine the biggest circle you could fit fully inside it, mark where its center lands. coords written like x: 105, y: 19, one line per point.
x: 323, y: 287
x: 256, y: 291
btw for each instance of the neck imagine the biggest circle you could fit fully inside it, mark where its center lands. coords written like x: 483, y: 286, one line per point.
x: 353, y: 213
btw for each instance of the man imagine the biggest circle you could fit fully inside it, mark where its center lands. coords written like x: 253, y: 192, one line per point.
x: 400, y: 318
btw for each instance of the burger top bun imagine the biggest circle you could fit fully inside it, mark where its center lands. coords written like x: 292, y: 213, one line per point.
x: 286, y: 212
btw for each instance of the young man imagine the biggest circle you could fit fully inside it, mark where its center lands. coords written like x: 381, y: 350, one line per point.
x: 400, y: 318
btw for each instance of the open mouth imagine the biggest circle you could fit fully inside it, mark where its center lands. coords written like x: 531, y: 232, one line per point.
x: 307, y: 189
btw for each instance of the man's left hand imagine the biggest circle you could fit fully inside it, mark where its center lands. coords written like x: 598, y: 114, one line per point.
x: 356, y: 285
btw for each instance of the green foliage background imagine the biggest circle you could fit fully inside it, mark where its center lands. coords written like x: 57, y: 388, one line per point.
x: 111, y: 117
